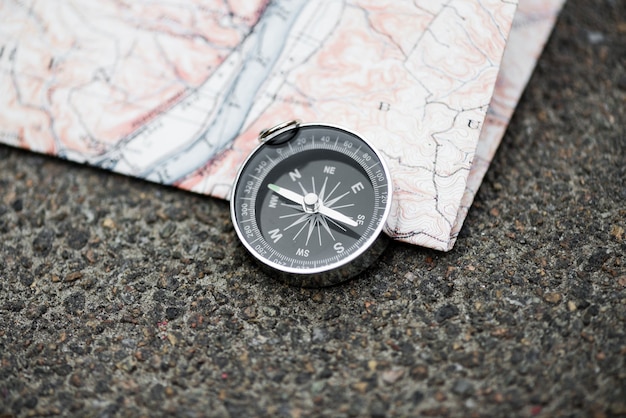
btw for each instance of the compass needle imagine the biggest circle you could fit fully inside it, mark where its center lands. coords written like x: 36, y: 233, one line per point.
x: 337, y: 216
x: 287, y: 194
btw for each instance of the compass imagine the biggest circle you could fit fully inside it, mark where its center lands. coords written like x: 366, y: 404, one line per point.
x: 310, y: 203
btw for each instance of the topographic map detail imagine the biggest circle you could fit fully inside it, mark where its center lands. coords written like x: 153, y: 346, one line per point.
x: 177, y: 92
x: 532, y: 26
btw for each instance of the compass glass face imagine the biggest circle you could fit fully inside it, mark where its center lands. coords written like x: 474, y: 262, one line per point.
x: 313, y: 202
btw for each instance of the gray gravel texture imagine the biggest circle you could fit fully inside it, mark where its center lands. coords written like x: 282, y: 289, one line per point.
x: 124, y: 298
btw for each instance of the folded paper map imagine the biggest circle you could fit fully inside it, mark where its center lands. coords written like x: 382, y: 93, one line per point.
x: 177, y: 92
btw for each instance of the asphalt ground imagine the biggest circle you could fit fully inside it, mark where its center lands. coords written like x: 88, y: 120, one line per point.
x: 123, y: 298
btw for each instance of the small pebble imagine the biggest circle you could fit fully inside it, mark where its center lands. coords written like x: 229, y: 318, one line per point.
x: 73, y: 276
x: 553, y: 297
x: 168, y: 230
x: 108, y: 223
x: 463, y: 388
x: 391, y: 376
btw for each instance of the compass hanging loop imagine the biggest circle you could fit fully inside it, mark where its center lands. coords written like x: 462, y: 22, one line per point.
x: 274, y: 135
